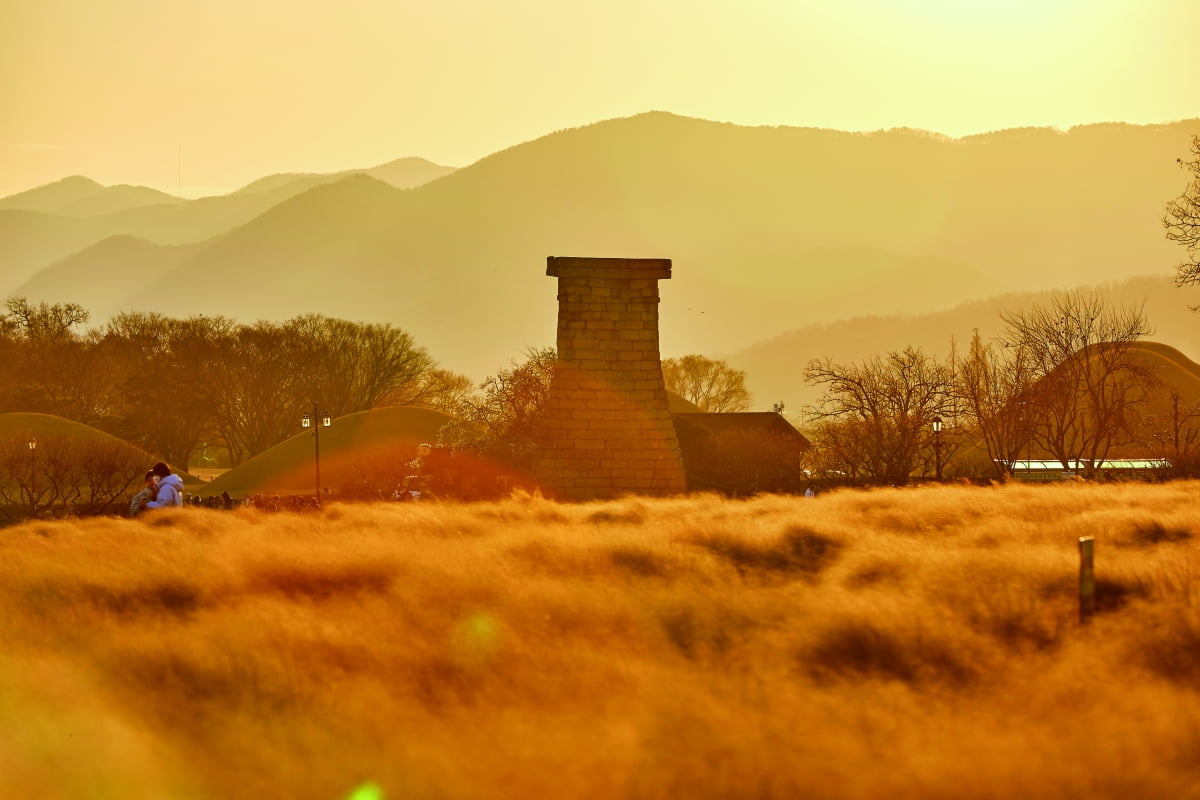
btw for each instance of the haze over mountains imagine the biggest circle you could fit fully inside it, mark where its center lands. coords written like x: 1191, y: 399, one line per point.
x: 76, y: 212
x: 775, y: 367
x: 770, y: 230
x: 78, y: 196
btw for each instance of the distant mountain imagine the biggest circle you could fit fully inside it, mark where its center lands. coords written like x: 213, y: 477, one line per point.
x: 769, y: 229
x: 43, y: 225
x: 29, y: 242
x: 52, y: 196
x: 403, y: 173
x: 198, y: 220
x: 78, y: 196
x: 305, y: 180
x: 775, y: 367
x: 407, y: 173
x: 123, y: 263
x: 206, y: 217
x: 115, y: 199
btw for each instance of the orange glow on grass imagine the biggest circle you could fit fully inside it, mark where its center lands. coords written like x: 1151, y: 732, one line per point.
x: 894, y: 642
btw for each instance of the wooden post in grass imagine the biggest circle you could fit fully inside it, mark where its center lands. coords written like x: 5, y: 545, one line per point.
x: 1087, y: 579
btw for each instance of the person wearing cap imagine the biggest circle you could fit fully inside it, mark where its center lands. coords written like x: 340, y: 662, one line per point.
x: 170, y: 488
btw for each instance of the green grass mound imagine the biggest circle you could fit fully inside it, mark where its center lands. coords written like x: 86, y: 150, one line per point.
x: 44, y: 426
x: 74, y: 468
x: 352, y: 448
x: 19, y: 427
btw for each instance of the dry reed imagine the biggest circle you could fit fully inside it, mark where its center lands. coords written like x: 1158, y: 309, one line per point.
x: 919, y: 643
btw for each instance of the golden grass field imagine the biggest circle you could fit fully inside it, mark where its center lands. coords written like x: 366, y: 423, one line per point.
x: 896, y: 643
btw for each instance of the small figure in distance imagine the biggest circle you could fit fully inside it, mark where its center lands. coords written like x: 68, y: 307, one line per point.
x: 809, y: 491
x: 148, y: 493
x: 170, y: 488
x: 416, y: 482
x: 418, y: 463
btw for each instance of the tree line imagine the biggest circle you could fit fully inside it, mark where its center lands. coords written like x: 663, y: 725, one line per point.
x: 171, y: 386
x: 174, y: 386
x: 1065, y: 382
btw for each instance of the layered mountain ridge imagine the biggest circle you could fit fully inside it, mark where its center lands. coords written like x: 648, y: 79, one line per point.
x: 770, y: 229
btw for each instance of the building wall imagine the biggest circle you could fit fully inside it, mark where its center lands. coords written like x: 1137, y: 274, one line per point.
x: 607, y: 428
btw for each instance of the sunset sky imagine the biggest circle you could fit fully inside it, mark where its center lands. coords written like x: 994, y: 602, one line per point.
x: 202, y: 98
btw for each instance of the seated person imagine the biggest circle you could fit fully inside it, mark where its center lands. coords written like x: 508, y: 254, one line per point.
x: 148, y: 493
x: 170, y: 488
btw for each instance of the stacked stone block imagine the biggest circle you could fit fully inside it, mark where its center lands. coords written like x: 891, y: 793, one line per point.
x: 607, y: 427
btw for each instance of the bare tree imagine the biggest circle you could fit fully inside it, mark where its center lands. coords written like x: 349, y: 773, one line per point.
x: 439, y: 389
x: 352, y: 366
x: 1172, y: 434
x: 258, y: 393
x: 107, y: 471
x: 162, y: 368
x: 45, y: 323
x: 711, y: 384
x: 840, y: 451
x: 1087, y: 382
x: 11, y: 368
x: 994, y: 384
x: 1182, y: 220
x: 57, y: 369
x: 196, y: 345
x: 21, y: 493
x: 66, y: 475
x: 501, y: 420
x: 893, y: 401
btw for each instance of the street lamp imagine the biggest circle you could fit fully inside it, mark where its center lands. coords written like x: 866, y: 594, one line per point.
x: 316, y: 422
x: 32, y: 474
x: 937, y: 447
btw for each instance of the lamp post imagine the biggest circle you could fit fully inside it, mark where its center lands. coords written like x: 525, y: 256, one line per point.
x: 316, y: 422
x: 937, y: 448
x: 32, y: 474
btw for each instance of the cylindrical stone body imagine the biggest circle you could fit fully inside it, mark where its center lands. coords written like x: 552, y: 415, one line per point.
x: 607, y: 425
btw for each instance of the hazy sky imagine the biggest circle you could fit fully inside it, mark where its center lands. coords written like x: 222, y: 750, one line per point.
x: 207, y: 96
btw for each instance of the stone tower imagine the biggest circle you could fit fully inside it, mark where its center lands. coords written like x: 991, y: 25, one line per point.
x: 607, y: 428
